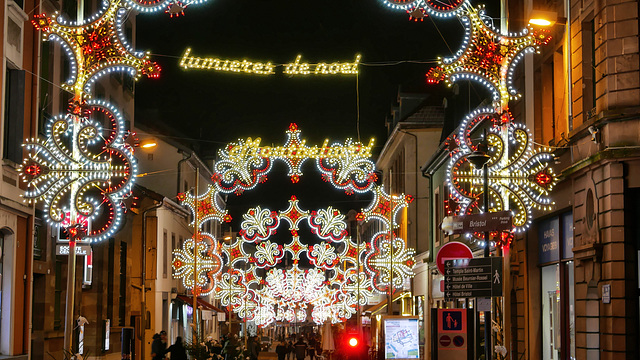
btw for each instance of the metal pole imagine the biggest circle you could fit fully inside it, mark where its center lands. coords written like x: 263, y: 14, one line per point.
x: 390, y: 301
x: 143, y: 301
x: 71, y: 263
x: 359, y: 315
x: 196, y: 240
x: 487, y: 314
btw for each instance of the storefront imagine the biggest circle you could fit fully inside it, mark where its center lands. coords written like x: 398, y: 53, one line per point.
x: 555, y: 258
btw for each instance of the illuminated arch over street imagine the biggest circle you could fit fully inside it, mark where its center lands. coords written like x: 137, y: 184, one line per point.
x: 254, y: 283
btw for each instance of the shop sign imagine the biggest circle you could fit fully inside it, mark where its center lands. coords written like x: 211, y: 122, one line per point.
x: 549, y: 240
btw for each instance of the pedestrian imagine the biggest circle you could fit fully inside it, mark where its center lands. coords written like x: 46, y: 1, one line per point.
x: 289, y: 345
x: 300, y: 349
x: 282, y: 350
x: 159, y: 346
x: 231, y: 348
x: 253, y: 348
x: 312, y: 347
x: 177, y: 350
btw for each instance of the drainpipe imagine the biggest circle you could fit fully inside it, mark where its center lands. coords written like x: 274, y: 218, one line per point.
x: 179, y: 173
x: 143, y: 309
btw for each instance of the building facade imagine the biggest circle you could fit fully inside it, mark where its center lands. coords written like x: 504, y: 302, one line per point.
x: 571, y: 280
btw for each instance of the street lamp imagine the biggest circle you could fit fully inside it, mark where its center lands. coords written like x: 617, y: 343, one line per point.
x: 543, y: 18
x: 479, y: 159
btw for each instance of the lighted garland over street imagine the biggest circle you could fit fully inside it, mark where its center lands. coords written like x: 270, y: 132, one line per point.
x: 250, y: 284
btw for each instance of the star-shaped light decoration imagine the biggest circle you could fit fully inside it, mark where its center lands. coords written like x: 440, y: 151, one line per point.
x: 96, y: 47
x: 206, y: 206
x: 95, y: 179
x: 294, y: 215
x: 487, y: 56
x: 380, y: 207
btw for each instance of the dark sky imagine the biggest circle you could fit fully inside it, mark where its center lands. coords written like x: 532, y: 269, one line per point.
x: 222, y: 107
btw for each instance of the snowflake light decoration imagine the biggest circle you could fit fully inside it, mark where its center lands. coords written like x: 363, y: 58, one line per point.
x: 207, y: 265
x: 94, y: 179
x: 520, y: 178
x: 254, y: 285
x: 96, y: 47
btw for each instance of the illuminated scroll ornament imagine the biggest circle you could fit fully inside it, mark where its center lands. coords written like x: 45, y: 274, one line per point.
x: 96, y: 47
x: 95, y: 180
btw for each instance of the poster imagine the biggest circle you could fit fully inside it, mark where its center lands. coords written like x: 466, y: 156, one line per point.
x: 401, y: 338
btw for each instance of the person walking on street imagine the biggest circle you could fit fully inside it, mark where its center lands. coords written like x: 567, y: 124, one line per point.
x: 159, y: 346
x: 177, y: 350
x: 282, y: 350
x: 300, y: 349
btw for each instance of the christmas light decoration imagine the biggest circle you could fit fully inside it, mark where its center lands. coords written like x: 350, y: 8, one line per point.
x: 96, y: 47
x: 171, y: 7
x: 95, y: 179
x: 487, y: 56
x: 207, y: 265
x: 237, y: 66
x: 520, y: 178
x: 295, y: 68
x: 253, y: 286
x: 438, y: 8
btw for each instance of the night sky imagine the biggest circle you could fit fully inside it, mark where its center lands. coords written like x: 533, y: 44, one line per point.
x: 221, y: 107
x: 208, y: 109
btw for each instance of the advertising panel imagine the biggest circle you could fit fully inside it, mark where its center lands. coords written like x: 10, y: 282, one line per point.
x: 401, y: 338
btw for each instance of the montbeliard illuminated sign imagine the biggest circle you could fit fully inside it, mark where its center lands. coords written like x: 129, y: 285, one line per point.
x: 297, y: 67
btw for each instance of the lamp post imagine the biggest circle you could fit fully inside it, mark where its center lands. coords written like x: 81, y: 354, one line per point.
x: 479, y: 159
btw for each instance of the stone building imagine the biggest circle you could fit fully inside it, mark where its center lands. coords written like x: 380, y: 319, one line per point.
x: 19, y: 51
x: 572, y: 278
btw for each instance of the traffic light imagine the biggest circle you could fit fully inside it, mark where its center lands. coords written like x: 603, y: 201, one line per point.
x: 353, y: 341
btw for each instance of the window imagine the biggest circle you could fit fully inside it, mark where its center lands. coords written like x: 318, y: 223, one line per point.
x: 14, y: 115
x: 588, y: 71
x: 164, y: 254
x: 122, y: 299
x: 57, y: 295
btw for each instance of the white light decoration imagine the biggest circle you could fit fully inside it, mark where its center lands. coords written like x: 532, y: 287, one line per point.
x: 208, y: 264
x: 95, y: 181
x: 437, y: 8
x: 520, y: 178
x: 96, y: 47
x: 254, y: 286
x: 171, y: 7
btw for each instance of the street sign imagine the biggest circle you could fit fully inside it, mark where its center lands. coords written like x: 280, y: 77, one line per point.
x: 468, y: 278
x: 493, y: 221
x: 452, y: 250
x: 81, y: 249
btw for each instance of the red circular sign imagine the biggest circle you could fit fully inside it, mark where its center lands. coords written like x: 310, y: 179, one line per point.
x: 445, y: 340
x: 458, y: 341
x: 452, y: 250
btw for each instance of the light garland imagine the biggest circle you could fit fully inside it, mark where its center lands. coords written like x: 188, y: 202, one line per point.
x: 102, y: 174
x: 96, y: 47
x: 253, y: 287
x: 437, y: 8
x: 295, y: 68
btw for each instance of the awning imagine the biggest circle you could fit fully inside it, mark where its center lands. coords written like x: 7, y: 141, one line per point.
x: 201, y: 303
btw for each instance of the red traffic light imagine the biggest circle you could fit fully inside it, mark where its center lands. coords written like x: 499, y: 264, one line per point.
x: 353, y: 342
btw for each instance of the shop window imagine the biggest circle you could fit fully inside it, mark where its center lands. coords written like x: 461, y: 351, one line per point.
x: 13, y: 115
x: 555, y: 237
